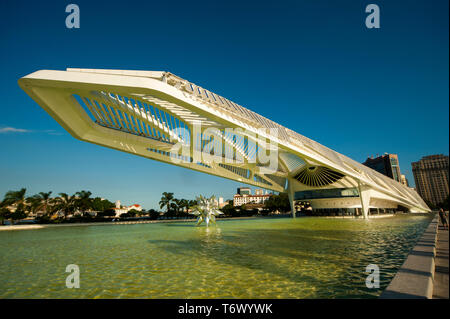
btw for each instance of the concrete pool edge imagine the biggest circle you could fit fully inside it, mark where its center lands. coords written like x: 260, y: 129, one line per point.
x: 414, y: 279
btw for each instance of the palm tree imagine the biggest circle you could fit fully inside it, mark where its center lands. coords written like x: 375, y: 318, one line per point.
x: 34, y: 203
x: 166, y: 200
x: 179, y: 205
x: 174, y: 207
x: 66, y: 203
x: 16, y: 198
x: 45, y: 200
x: 4, y: 212
x: 190, y: 204
x: 83, y: 201
x: 184, y: 206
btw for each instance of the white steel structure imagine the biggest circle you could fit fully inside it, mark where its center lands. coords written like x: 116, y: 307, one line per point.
x: 159, y: 116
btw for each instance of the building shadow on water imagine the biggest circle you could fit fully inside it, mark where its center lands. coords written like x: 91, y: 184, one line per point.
x: 332, y: 259
x: 181, y: 224
x: 303, y: 257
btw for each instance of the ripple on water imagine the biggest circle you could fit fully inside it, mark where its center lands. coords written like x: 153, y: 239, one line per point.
x: 262, y: 258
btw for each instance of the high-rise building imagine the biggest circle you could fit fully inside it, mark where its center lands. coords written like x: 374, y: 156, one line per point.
x: 222, y: 202
x: 259, y: 191
x: 404, y: 180
x: 431, y: 177
x: 386, y: 164
x: 244, y: 191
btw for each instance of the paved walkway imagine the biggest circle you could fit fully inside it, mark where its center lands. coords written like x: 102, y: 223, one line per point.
x: 440, y: 288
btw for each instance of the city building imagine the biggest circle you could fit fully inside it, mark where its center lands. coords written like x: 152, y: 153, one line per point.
x: 244, y: 196
x: 259, y: 191
x: 386, y: 164
x: 142, y: 113
x: 239, y: 200
x: 404, y: 180
x: 244, y: 191
x: 431, y: 177
x: 221, y: 202
x: 119, y: 210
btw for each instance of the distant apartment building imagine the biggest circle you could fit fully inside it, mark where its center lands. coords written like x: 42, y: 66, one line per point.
x: 244, y: 196
x: 244, y: 191
x: 386, y: 164
x: 221, y: 203
x: 259, y: 191
x: 404, y: 180
x: 119, y: 210
x: 431, y: 177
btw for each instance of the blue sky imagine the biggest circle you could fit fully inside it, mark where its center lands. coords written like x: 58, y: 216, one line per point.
x: 311, y: 66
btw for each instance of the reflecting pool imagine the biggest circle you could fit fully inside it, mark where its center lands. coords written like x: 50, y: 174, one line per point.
x: 254, y: 258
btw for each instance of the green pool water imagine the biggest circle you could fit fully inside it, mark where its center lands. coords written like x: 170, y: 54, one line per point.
x: 255, y: 258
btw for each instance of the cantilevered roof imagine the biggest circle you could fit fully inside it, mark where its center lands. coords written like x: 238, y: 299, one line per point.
x: 147, y: 112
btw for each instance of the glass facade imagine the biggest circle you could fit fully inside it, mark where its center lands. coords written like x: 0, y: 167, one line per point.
x: 379, y: 167
x: 385, y: 164
x: 395, y: 169
x: 244, y: 191
x: 326, y: 193
x: 350, y: 212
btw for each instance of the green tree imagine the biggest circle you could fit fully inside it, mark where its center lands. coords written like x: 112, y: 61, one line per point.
x: 34, y: 204
x: 278, y: 202
x: 83, y: 200
x: 5, y: 213
x: 246, y: 210
x: 15, y: 197
x: 18, y: 200
x: 153, y: 214
x: 43, y: 201
x: 181, y: 205
x: 108, y: 212
x: 133, y: 212
x: 186, y: 205
x: 65, y: 203
x: 18, y: 214
x: 192, y: 203
x: 174, y: 209
x: 141, y: 212
x: 166, y: 201
x: 229, y: 210
x: 100, y: 205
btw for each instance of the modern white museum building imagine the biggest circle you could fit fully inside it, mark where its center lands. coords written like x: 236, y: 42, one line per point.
x: 163, y: 117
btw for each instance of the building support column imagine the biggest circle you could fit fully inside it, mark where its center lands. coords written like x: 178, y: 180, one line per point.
x: 291, y: 194
x: 364, y: 196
